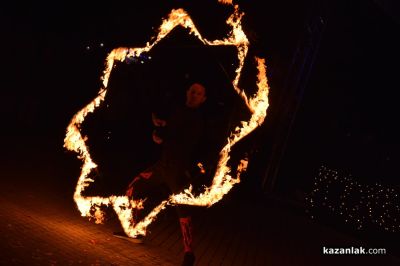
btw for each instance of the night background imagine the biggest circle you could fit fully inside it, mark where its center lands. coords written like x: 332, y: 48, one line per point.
x: 332, y: 71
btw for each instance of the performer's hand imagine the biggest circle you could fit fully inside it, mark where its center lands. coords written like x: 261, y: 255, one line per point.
x: 156, y: 138
x: 157, y: 121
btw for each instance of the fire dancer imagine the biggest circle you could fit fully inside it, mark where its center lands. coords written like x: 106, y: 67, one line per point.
x: 179, y: 136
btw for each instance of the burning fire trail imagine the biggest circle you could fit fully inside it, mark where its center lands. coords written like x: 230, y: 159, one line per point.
x: 222, y: 181
x: 227, y: 2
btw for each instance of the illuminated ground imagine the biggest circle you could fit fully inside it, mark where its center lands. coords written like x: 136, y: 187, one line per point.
x: 39, y: 224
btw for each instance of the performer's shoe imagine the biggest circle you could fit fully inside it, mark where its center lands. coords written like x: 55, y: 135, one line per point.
x: 188, y: 259
x: 138, y: 239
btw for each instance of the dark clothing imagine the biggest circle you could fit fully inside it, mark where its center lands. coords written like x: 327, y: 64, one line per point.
x: 181, y: 139
x: 182, y: 135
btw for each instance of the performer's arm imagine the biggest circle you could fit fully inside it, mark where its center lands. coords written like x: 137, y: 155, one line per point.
x: 157, y: 121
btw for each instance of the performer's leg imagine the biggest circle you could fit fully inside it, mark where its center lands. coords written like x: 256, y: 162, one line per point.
x: 147, y: 186
x: 185, y: 221
x: 136, y: 189
x: 176, y: 183
x: 187, y: 233
x: 132, y: 187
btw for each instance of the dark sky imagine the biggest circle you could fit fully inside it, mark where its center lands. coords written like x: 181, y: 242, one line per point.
x: 53, y: 52
x: 53, y: 58
x: 347, y: 120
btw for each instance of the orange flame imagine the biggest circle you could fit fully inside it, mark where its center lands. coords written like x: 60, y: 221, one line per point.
x: 226, y: 2
x: 222, y: 181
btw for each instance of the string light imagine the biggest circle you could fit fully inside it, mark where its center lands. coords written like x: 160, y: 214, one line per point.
x: 359, y: 204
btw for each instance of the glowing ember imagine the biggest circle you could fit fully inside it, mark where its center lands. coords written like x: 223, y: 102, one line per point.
x: 222, y: 181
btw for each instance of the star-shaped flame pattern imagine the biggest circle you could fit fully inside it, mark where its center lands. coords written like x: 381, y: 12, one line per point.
x: 222, y: 181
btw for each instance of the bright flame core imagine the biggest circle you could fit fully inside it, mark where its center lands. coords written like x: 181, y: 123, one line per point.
x: 222, y: 181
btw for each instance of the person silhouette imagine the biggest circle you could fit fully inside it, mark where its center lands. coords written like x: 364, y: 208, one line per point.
x: 180, y: 136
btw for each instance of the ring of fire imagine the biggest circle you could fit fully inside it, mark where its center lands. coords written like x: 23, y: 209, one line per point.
x: 222, y: 180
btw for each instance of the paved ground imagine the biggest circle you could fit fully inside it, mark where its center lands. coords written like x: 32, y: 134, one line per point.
x: 39, y: 224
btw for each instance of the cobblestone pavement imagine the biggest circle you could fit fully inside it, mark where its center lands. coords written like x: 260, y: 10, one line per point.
x: 40, y: 225
x: 35, y: 231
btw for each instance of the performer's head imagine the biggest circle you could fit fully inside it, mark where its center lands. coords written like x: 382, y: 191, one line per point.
x: 195, y: 95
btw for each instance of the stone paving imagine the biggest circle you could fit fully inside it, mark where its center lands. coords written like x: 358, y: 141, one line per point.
x: 40, y: 225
